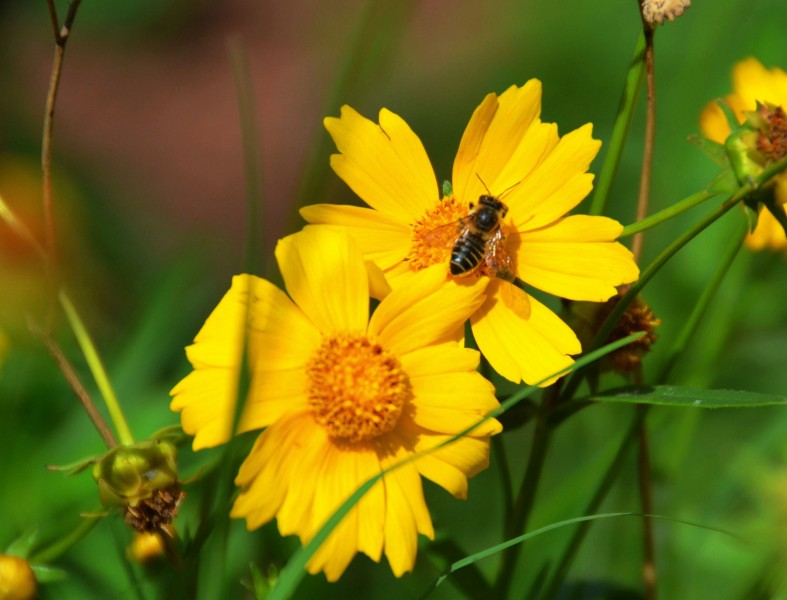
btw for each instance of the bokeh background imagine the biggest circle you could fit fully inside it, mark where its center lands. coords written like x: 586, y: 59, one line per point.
x: 151, y: 219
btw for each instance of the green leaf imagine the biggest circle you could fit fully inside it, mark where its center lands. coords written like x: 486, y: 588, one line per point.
x: 714, y: 150
x: 45, y: 574
x: 669, y: 395
x: 21, y: 546
x: 77, y: 466
x: 522, y: 538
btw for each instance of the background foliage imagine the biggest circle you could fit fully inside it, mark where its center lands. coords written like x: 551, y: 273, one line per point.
x: 150, y: 211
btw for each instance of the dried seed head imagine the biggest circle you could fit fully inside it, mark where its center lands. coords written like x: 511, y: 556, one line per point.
x: 637, y: 317
x: 155, y: 514
x: 655, y: 11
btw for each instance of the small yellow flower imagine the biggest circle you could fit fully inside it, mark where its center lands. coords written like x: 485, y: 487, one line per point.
x: 146, y: 547
x: 343, y: 396
x: 17, y: 580
x: 753, y: 83
x: 542, y: 176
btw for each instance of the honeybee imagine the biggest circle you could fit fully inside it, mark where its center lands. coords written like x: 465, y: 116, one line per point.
x: 477, y: 240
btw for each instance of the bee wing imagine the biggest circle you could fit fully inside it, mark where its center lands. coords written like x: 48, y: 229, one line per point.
x: 497, y: 258
x: 444, y: 236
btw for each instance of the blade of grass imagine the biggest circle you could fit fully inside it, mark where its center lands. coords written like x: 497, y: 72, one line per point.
x: 473, y: 558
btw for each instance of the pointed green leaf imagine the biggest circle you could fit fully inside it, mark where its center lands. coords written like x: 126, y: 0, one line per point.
x: 46, y: 574
x: 669, y: 395
x: 714, y: 150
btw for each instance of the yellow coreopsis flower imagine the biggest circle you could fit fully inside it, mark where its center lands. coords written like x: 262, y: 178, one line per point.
x: 506, y: 150
x: 753, y: 83
x: 342, y: 396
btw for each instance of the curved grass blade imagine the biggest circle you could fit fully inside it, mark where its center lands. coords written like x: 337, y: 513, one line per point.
x: 491, y: 551
x: 672, y: 395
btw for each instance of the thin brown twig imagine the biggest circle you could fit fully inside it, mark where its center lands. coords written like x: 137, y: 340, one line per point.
x: 646, y: 502
x: 76, y: 385
x: 650, y: 135
x: 53, y: 18
x: 61, y: 37
x: 649, y: 573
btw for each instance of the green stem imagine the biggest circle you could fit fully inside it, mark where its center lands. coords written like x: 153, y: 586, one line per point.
x: 701, y: 306
x: 525, y: 500
x: 58, y: 547
x: 667, y: 213
x: 97, y: 369
x: 507, y: 487
x: 620, y: 130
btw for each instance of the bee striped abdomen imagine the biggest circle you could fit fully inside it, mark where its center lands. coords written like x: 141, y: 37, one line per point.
x: 468, y: 252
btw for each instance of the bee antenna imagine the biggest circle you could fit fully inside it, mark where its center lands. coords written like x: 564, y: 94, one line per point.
x: 482, y: 183
x: 509, y: 188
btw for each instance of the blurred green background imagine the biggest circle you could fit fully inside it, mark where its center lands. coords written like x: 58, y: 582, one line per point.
x: 150, y: 210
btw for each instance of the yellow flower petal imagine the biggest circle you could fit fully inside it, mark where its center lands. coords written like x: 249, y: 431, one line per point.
x: 427, y: 311
x: 325, y: 274
x: 279, y: 338
x: 767, y: 234
x: 436, y: 360
x: 383, y: 239
x: 577, y: 258
x: 752, y: 82
x: 558, y: 184
x: 206, y: 400
x: 453, y: 402
x: 449, y: 466
x: 271, y: 394
x: 385, y: 165
x: 523, y: 349
x: 537, y: 144
x: 405, y: 515
x: 379, y: 287
x: 492, y: 136
x: 269, y: 475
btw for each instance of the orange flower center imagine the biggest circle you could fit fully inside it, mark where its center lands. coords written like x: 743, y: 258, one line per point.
x: 357, y: 389
x: 434, y: 234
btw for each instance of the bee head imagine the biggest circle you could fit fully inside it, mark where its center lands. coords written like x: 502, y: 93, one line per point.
x: 494, y: 203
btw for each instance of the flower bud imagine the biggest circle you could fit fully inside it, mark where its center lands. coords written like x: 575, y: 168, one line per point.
x: 759, y: 142
x: 17, y: 580
x: 142, y: 480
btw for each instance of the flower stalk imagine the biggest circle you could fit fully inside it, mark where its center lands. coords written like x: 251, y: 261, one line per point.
x: 97, y: 369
